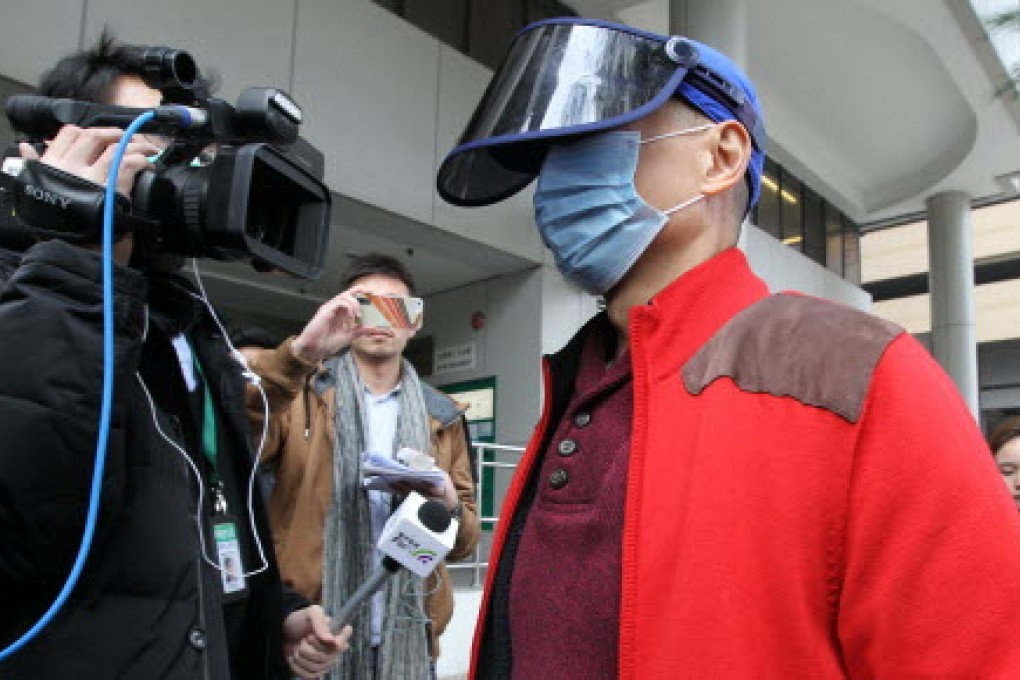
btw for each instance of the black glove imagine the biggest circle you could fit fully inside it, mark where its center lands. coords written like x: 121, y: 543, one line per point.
x: 58, y: 204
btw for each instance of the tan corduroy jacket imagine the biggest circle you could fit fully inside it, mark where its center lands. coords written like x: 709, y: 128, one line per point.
x: 299, y: 448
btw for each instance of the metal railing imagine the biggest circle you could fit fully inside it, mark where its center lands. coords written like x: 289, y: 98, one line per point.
x: 475, y: 563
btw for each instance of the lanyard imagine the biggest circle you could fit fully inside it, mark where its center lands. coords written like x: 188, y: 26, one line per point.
x: 210, y: 438
x: 225, y: 531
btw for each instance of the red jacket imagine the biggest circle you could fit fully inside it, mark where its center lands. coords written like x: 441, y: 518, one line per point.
x: 808, y: 497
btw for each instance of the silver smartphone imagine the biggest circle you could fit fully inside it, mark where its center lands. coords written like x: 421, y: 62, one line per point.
x: 391, y: 311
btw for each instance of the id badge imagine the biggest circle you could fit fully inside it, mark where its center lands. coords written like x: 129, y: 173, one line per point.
x: 228, y: 554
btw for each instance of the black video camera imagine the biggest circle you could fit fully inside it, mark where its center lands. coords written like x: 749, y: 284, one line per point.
x: 261, y: 198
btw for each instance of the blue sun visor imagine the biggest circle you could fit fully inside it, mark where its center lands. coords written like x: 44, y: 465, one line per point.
x: 569, y: 77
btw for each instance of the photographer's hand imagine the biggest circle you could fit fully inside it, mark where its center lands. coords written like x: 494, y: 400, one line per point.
x: 331, y: 329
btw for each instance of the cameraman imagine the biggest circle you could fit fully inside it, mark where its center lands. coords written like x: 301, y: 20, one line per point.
x: 156, y: 597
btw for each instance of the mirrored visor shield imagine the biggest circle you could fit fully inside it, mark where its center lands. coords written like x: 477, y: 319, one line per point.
x: 558, y: 79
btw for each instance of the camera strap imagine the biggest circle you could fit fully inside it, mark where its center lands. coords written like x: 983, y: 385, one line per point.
x: 54, y: 203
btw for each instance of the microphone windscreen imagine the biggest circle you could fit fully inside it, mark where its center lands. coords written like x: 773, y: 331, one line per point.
x: 434, y: 516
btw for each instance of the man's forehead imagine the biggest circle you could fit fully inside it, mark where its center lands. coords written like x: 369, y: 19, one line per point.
x: 381, y: 282
x: 132, y: 91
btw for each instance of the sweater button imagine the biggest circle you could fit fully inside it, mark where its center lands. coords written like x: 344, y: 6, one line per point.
x: 582, y: 419
x: 559, y: 479
x: 567, y: 447
x: 196, y: 638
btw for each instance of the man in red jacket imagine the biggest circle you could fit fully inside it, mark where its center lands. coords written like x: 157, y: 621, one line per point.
x: 724, y: 483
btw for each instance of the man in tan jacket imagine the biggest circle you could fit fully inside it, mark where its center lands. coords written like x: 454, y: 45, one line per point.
x: 336, y: 392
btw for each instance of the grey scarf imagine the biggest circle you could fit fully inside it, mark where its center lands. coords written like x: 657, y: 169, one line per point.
x: 349, y: 554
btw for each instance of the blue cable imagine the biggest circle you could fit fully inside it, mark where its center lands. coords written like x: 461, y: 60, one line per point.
x: 107, y: 403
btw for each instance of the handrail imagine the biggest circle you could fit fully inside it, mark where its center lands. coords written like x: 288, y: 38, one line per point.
x: 475, y: 563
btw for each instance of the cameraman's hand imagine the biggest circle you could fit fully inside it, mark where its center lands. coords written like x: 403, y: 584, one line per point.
x: 331, y: 330
x: 88, y: 153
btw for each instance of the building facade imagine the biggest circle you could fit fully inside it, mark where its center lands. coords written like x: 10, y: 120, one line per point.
x: 895, y: 272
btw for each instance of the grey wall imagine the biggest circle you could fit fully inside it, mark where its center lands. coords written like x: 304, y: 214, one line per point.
x: 785, y: 269
x: 9, y: 88
x: 508, y: 347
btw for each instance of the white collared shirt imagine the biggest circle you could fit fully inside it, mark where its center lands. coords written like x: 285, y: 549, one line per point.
x: 381, y: 413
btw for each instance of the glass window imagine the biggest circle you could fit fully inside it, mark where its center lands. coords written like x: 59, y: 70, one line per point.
x: 768, y: 219
x: 803, y: 220
x: 814, y: 226
x: 833, y: 239
x: 791, y: 211
x: 851, y: 251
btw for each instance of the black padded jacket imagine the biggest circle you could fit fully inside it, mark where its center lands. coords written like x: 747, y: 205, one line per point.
x: 147, y: 605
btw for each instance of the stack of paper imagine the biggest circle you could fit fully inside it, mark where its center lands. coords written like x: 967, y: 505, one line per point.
x: 381, y: 472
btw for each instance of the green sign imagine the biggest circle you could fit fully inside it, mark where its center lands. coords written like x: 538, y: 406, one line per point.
x: 480, y: 396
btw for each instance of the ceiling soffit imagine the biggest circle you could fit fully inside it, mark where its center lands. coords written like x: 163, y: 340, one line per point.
x: 863, y: 101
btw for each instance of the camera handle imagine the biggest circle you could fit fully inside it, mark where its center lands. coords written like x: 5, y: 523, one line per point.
x: 42, y: 117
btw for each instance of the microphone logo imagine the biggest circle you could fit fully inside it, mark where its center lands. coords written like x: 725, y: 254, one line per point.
x: 424, y: 555
x: 409, y: 544
x: 418, y: 535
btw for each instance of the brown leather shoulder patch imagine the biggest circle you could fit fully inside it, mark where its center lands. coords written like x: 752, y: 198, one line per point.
x: 817, y: 352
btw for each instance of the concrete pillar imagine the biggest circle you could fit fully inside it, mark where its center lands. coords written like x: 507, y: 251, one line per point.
x: 951, y: 283
x: 719, y: 23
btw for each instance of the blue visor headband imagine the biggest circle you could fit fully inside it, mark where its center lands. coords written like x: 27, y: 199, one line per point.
x: 718, y: 88
x: 570, y: 77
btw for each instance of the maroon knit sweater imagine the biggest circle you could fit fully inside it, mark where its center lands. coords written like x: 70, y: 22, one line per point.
x: 565, y: 589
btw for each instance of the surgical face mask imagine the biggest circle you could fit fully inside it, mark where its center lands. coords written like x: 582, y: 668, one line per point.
x: 589, y: 213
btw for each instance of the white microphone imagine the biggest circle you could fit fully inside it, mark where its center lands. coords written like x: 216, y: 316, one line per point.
x: 417, y: 537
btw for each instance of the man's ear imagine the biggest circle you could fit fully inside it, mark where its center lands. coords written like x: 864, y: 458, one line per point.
x: 729, y: 153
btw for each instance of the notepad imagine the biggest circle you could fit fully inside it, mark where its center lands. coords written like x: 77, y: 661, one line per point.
x: 380, y: 472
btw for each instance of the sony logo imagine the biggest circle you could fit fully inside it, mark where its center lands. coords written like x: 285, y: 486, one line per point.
x: 47, y: 196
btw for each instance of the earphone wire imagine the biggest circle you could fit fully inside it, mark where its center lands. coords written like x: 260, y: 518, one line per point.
x: 250, y: 377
